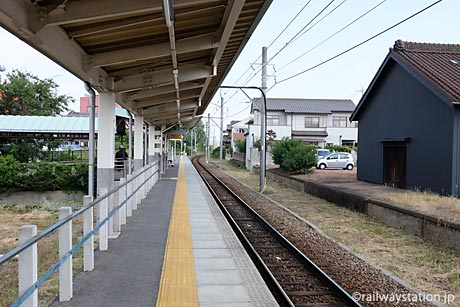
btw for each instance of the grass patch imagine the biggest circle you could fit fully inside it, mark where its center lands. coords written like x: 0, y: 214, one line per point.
x: 42, y: 215
x: 447, y: 208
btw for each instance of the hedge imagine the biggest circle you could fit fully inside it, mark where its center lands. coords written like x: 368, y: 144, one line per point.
x: 41, y: 176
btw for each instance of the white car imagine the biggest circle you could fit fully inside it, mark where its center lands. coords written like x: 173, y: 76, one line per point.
x: 336, y: 160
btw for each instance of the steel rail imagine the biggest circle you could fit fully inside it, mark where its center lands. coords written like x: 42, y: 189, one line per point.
x: 260, y: 264
x: 339, y: 291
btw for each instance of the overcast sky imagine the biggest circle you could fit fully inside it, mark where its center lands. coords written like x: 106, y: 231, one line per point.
x: 344, y: 77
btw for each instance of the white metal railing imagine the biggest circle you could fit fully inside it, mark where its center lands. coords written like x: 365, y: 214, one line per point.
x: 121, y: 200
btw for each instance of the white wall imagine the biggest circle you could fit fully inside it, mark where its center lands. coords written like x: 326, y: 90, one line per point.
x: 281, y: 131
x: 346, y: 133
x: 297, y: 122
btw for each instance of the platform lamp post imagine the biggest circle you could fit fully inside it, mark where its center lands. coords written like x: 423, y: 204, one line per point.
x: 263, y: 131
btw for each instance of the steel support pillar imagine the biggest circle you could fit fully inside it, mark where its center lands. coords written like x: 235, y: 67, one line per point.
x: 151, y: 144
x: 138, y: 142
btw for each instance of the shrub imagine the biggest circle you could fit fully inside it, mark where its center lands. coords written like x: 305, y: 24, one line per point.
x: 230, y: 149
x: 43, y: 176
x: 241, y: 146
x: 293, y: 156
x: 216, y: 151
x: 9, y: 168
x: 282, y: 148
x: 338, y: 148
x: 70, y: 177
x: 36, y: 177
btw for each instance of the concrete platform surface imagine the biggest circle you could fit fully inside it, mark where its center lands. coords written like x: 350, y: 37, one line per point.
x: 225, y: 274
x: 129, y: 273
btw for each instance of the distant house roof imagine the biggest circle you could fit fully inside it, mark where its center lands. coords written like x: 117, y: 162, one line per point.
x: 435, y: 65
x: 44, y: 124
x: 241, y: 123
x: 301, y: 105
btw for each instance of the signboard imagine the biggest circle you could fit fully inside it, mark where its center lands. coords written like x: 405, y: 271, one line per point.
x: 174, y: 137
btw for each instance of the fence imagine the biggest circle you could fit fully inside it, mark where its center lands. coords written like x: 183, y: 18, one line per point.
x: 113, y: 207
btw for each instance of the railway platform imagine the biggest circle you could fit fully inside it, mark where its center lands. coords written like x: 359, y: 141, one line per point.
x: 177, y: 250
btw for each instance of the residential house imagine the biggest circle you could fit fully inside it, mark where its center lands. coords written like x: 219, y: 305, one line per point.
x: 409, y: 119
x: 238, y: 130
x: 313, y: 121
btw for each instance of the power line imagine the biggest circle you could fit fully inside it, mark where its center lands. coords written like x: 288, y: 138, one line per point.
x: 285, y: 28
x: 238, y: 112
x: 313, y: 25
x: 272, y: 42
x: 299, y: 33
x: 342, y: 29
x: 357, y: 45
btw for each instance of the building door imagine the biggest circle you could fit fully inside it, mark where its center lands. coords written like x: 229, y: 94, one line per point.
x: 395, y: 166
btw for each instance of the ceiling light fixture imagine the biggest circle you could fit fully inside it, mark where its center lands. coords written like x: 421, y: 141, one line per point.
x: 176, y: 78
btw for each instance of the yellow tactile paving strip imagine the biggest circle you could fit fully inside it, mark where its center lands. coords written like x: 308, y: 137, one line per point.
x: 178, y: 281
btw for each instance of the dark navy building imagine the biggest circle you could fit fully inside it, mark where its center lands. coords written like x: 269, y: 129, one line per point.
x: 409, y: 119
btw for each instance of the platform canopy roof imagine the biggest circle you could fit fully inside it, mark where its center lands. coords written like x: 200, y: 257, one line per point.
x: 164, y: 59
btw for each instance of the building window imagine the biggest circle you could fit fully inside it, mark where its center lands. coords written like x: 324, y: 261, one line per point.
x: 339, y: 121
x: 273, y: 120
x: 311, y: 122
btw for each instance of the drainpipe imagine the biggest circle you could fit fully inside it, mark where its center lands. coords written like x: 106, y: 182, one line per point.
x: 92, y: 120
x: 130, y: 142
x: 456, y: 151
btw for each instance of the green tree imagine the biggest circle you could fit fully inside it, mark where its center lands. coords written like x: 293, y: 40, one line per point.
x: 22, y: 93
x: 241, y: 146
x: 200, y: 135
x: 282, y: 149
x: 293, y: 156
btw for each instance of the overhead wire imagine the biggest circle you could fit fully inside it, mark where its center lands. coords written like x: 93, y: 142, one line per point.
x: 271, y: 44
x: 313, y: 25
x: 287, y: 26
x: 324, y: 41
x: 228, y: 116
x: 357, y: 45
x: 300, y: 33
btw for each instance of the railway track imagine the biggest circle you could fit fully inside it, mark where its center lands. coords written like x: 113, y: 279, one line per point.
x: 294, y: 279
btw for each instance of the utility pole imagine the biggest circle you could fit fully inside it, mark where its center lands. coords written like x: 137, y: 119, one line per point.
x: 263, y: 127
x: 191, y: 142
x: 208, y: 128
x: 221, y: 130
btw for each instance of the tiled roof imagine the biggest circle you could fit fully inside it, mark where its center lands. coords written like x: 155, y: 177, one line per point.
x: 439, y: 64
x: 300, y: 105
